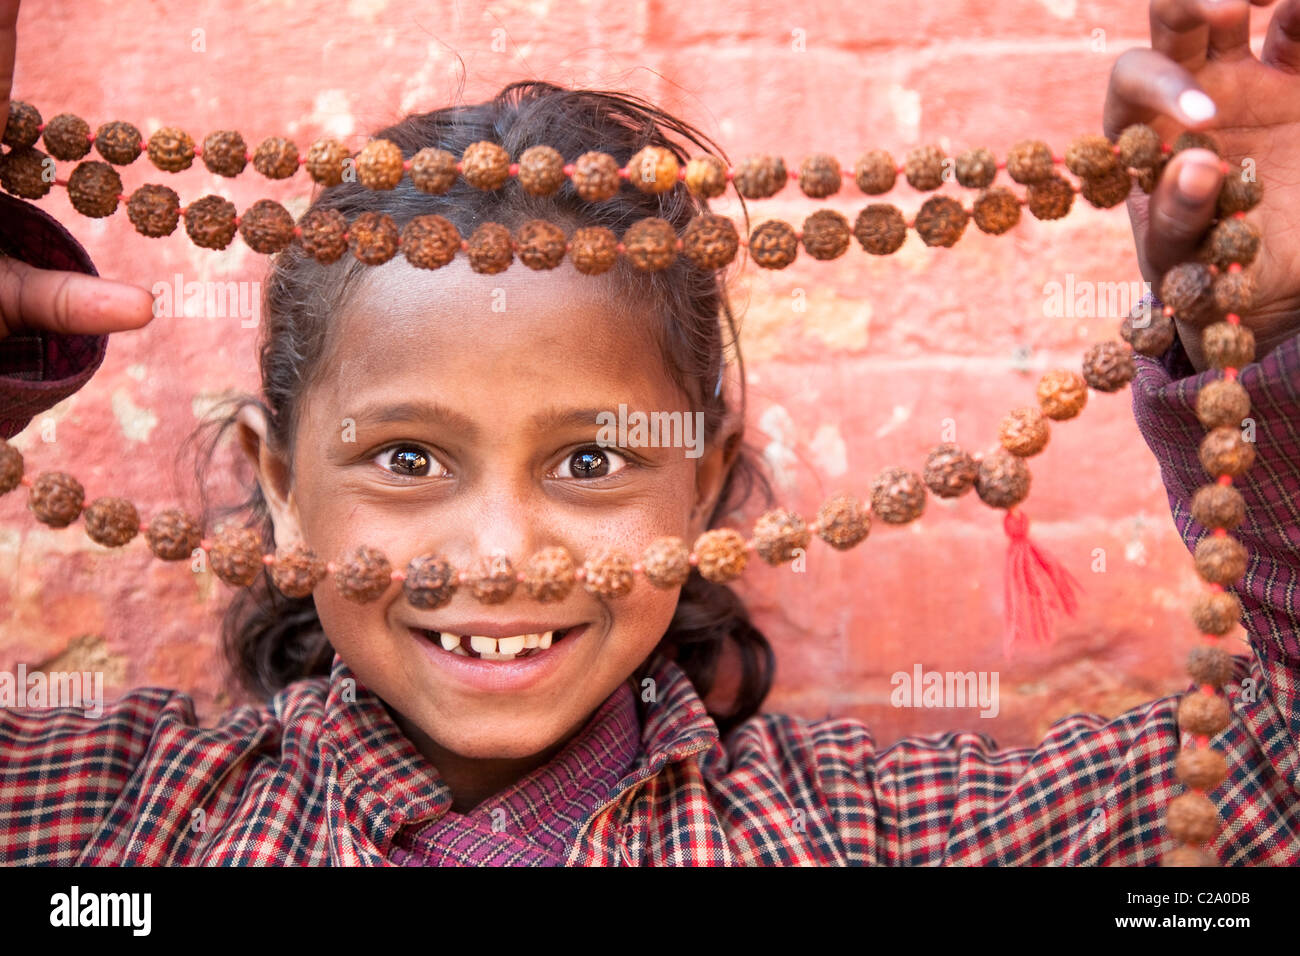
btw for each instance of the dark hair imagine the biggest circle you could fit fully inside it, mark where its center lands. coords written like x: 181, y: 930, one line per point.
x: 271, y: 640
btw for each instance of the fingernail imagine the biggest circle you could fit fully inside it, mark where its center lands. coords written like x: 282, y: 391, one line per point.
x: 1197, y: 181
x: 1196, y: 106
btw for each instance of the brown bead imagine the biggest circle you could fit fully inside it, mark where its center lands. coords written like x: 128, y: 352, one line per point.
x: 433, y: 170
x: 666, y: 562
x: 941, y: 220
x: 225, y: 153
x: 1216, y: 612
x: 710, y: 241
x: 541, y: 244
x: 1188, y: 288
x: 1208, y: 664
x: 373, y: 238
x: 67, y: 137
x: 1148, y: 330
x: 22, y: 128
x: 976, y: 168
x: 653, y: 170
x: 11, y: 467
x: 1238, y: 194
x: 276, y: 158
x: 778, y: 534
x: 650, y: 244
x: 1188, y: 856
x: 1231, y: 240
x: 323, y: 234
x: 608, y: 573
x: 210, y: 222
x: 880, y: 229
x: 1201, y: 767
x: 760, y: 176
x: 1227, y: 345
x: 119, y: 143
x: 1148, y: 178
x: 1202, y: 713
x: 1050, y: 198
x: 93, y: 189
x: 1090, y: 155
x: 1220, y: 560
x: 380, y: 164
x: 773, y: 244
x: 949, y: 471
x: 266, y: 226
x: 820, y: 176
x: 325, y: 159
x: 549, y: 575
x: 897, y: 495
x: 1029, y: 161
x: 1024, y: 431
x: 430, y: 582
x: 26, y: 172
x: 923, y: 168
x: 593, y: 250
x: 996, y: 210
x: 1234, y: 292
x: 173, y: 535
x: 1107, y: 190
x: 1191, y: 139
x: 1062, y: 394
x: 595, y: 176
x: 364, y: 575
x: 1108, y: 366
x: 430, y: 241
x: 1218, y: 506
x: 826, y: 234
x: 171, y: 149
x: 491, y: 249
x: 112, y: 522
x: 1003, y: 480
x: 720, y: 554
x: 875, y: 172
x: 1225, y: 452
x: 541, y: 170
x: 1192, y: 818
x: 236, y: 555
x: 1139, y: 146
x: 706, y: 176
x: 492, y: 579
x: 1222, y: 402
x: 296, y: 572
x: 154, y: 210
x: 485, y: 165
x: 56, y: 498
x: 843, y: 522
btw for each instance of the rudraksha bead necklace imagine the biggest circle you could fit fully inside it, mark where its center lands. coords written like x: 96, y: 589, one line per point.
x: 1212, y: 286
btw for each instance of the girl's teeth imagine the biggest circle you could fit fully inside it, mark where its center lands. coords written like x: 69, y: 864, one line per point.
x: 531, y: 640
x: 484, y: 645
x: 544, y: 640
x: 495, y: 649
x: 449, y: 641
x: 511, y: 645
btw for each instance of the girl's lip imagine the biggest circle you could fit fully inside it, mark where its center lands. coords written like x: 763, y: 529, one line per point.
x: 501, y: 676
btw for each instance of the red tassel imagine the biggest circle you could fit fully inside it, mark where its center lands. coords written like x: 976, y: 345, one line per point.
x: 1037, y: 586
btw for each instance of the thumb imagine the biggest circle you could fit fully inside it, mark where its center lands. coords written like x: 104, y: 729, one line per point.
x: 70, y: 303
x: 1182, y: 208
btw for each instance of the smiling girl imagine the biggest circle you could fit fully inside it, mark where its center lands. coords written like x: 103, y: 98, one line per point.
x: 455, y: 412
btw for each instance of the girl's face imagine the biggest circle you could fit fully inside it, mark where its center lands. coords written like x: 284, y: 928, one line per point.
x: 458, y: 415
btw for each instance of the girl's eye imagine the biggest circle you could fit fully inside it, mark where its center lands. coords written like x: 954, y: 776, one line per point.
x: 408, y: 461
x: 592, y: 463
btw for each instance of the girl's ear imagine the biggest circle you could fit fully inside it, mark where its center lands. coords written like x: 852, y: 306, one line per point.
x: 272, y: 474
x: 712, y: 470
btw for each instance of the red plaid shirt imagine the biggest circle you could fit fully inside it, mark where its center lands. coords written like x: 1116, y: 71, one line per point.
x: 317, y: 777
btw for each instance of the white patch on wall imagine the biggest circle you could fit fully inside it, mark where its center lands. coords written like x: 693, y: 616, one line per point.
x: 1064, y: 9
x: 829, y: 450
x: 899, y: 416
x: 906, y: 107
x: 775, y: 422
x: 136, y: 422
x: 137, y: 371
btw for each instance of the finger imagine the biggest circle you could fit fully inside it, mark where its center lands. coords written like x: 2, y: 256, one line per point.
x: 1282, y: 42
x: 1191, y: 31
x: 8, y: 43
x: 1182, y: 208
x: 68, y: 302
x: 1229, y: 22
x: 1145, y: 84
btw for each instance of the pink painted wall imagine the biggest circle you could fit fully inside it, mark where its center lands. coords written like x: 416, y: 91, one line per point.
x: 862, y: 379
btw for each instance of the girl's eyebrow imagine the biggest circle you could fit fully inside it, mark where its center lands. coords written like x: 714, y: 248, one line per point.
x: 421, y: 411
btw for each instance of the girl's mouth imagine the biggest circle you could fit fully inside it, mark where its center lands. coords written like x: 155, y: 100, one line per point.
x: 512, y: 648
